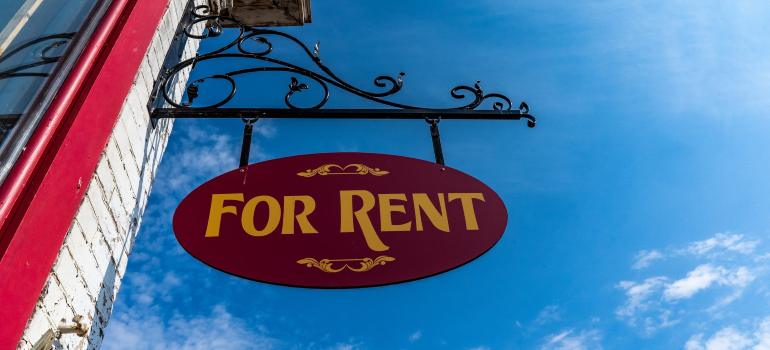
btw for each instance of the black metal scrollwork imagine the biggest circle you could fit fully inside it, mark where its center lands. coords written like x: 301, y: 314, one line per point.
x: 242, y: 47
x: 45, y: 56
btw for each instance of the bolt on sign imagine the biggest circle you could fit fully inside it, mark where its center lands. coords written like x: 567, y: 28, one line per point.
x: 340, y: 220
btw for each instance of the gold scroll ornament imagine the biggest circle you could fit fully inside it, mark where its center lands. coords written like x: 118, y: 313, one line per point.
x: 364, y: 264
x: 350, y: 169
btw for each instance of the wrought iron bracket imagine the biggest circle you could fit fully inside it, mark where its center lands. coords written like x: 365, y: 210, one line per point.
x: 248, y: 131
x: 43, y: 46
x: 45, y: 51
x: 253, y: 46
x: 174, y: 54
x: 436, y: 139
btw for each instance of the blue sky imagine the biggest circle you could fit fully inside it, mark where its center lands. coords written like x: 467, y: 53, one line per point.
x: 638, y: 208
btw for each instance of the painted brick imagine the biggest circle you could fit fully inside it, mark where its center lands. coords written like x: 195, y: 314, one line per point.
x: 120, y: 216
x: 54, y: 302
x: 85, y: 261
x: 153, y: 63
x: 36, y: 327
x: 87, y: 220
x: 102, y: 254
x: 144, y: 82
x: 136, y: 136
x: 138, y: 111
x: 143, y: 86
x: 24, y: 344
x: 129, y: 161
x: 102, y: 212
x: 84, y: 307
x: 127, y: 194
x: 68, y: 275
x: 115, y: 238
x: 88, y: 271
x: 104, y: 175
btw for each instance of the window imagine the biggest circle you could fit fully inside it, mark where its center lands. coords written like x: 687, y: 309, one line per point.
x: 35, y: 37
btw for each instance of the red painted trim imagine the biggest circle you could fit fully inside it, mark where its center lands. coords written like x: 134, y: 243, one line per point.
x: 41, y: 195
x: 18, y: 180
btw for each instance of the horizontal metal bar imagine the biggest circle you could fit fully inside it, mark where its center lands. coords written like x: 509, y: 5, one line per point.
x: 283, y: 113
x: 9, y: 117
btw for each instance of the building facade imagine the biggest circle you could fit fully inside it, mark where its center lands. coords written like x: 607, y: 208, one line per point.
x: 78, y: 150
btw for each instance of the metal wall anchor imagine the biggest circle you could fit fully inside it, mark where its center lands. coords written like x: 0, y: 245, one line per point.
x: 436, y: 137
x: 248, y: 131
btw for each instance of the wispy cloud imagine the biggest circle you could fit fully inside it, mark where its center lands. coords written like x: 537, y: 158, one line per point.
x: 730, y: 267
x: 643, y: 306
x: 723, y: 242
x: 198, y: 154
x: 346, y: 346
x: 415, y: 336
x: 639, y: 295
x: 215, y: 330
x: 148, y: 288
x: 645, y: 257
x: 732, y: 338
x: 571, y: 340
x: 548, y: 314
x: 480, y: 348
x: 705, y: 276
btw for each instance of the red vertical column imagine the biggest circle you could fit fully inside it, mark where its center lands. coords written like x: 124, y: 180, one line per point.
x: 40, y: 197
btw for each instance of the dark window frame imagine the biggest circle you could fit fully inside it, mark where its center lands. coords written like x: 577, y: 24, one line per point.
x: 16, y: 140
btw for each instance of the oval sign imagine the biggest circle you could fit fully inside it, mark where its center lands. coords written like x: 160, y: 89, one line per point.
x: 340, y: 220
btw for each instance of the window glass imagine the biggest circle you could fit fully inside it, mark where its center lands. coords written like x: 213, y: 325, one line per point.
x: 34, y: 34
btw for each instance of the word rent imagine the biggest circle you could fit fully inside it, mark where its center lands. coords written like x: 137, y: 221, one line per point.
x: 285, y: 214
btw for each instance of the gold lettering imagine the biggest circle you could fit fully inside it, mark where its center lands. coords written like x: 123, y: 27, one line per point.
x: 289, y: 205
x: 466, y: 199
x: 387, y: 208
x: 347, y: 214
x: 440, y: 220
x: 218, y: 208
x: 273, y: 217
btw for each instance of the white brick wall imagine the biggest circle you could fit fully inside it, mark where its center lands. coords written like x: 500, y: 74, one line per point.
x: 86, y: 276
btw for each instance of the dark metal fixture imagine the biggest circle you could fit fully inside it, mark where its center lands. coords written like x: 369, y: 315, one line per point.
x: 323, y: 76
x: 65, y: 48
x: 44, y: 47
x: 44, y: 56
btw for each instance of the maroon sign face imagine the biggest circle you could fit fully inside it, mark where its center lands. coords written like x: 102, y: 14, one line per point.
x: 340, y: 220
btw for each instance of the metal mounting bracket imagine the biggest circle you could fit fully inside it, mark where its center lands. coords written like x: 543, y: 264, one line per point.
x: 163, y: 105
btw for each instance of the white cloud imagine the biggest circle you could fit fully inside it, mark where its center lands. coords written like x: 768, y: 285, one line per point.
x: 570, y: 340
x: 663, y: 319
x: 415, y: 336
x: 732, y: 338
x: 698, y: 279
x: 548, y: 314
x: 346, y: 346
x: 198, y: 154
x: 217, y: 330
x: 703, y: 277
x: 643, y: 307
x: 644, y: 258
x: 762, y: 335
x: 147, y: 288
x: 728, y: 260
x: 648, y: 302
x: 479, y: 348
x: 726, y: 300
x: 723, y: 241
x: 638, y: 295
x: 728, y: 339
